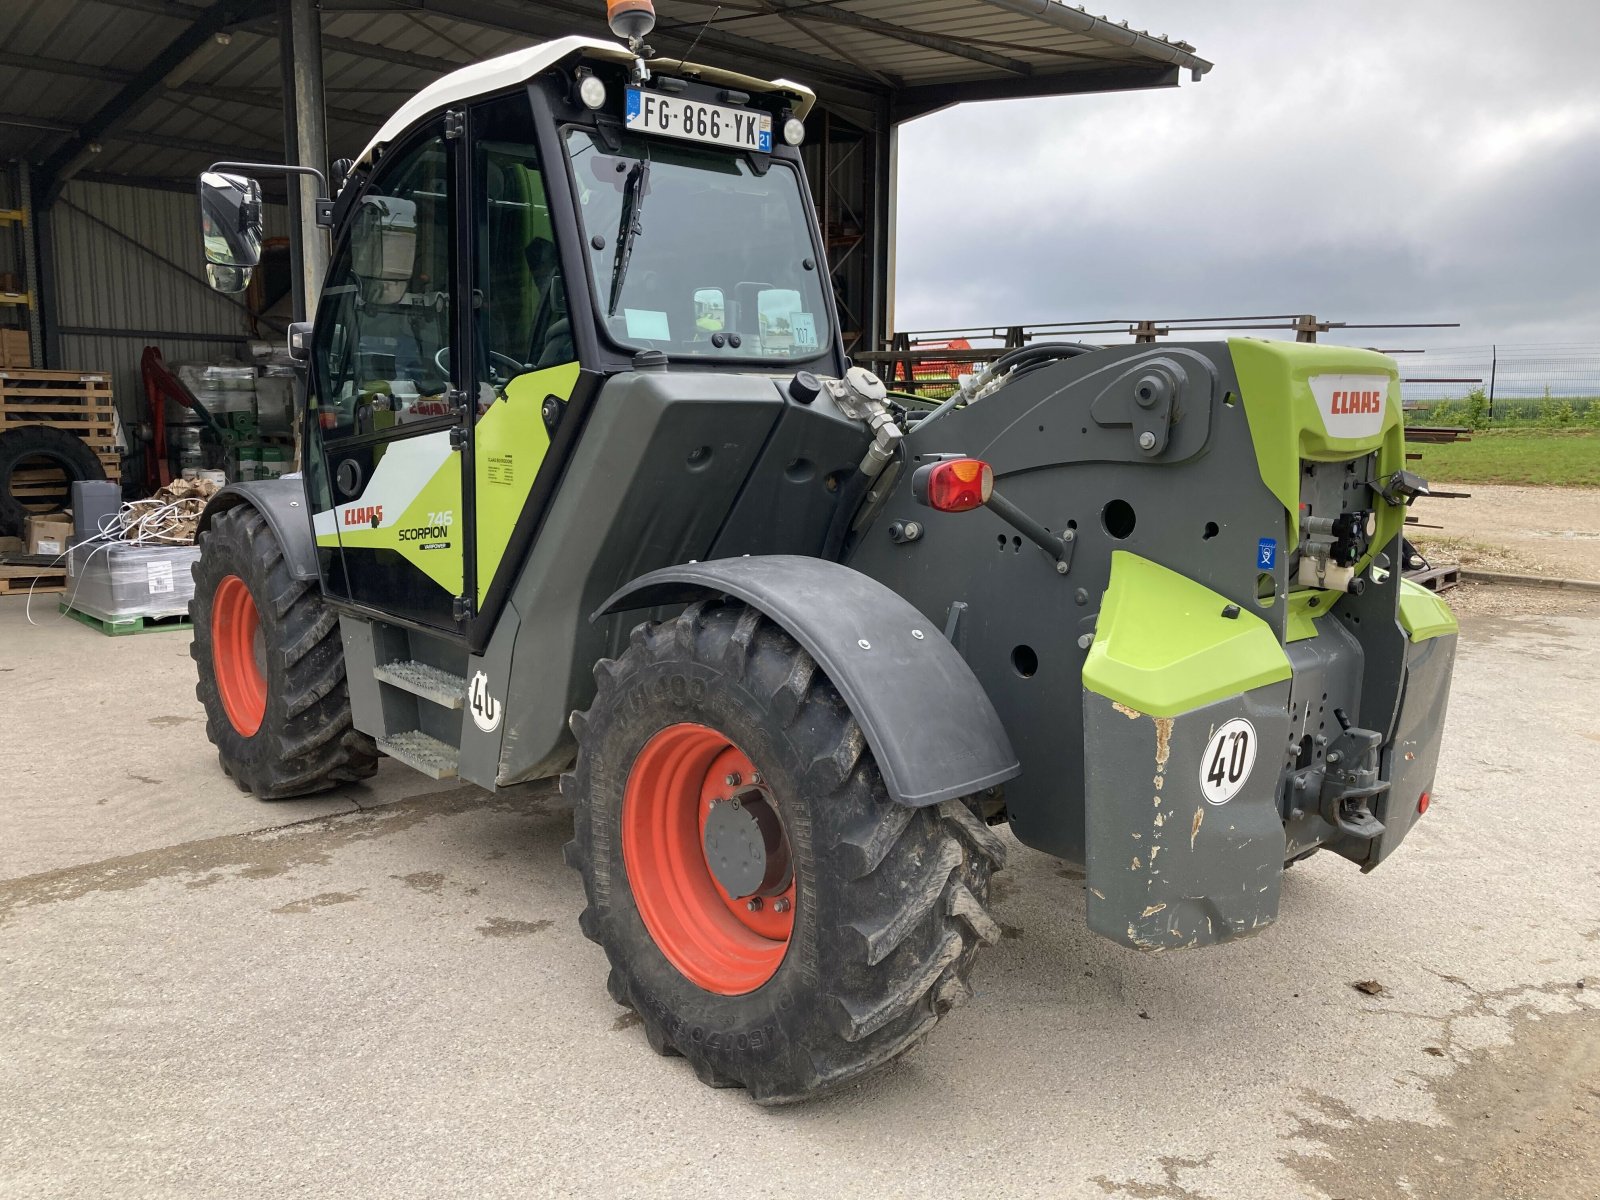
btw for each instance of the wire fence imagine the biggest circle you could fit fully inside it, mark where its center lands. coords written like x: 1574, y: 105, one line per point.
x: 1555, y: 384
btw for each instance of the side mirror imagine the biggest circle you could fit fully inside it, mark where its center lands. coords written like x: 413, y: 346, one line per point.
x: 300, y: 341
x: 230, y: 221
x: 710, y: 309
x: 230, y: 280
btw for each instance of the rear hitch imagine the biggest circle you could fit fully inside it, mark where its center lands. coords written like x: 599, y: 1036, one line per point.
x: 1350, y: 780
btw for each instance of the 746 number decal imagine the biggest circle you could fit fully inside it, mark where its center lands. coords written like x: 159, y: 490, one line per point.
x: 1228, y: 758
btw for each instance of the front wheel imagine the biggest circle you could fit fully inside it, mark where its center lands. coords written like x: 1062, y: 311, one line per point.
x: 271, y: 667
x: 768, y: 911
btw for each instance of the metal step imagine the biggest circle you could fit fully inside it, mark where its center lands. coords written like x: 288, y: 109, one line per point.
x: 418, y: 678
x: 420, y: 752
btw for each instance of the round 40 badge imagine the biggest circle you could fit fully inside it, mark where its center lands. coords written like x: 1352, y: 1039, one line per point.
x: 1229, y: 755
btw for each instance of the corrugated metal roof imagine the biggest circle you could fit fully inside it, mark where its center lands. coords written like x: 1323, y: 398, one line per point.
x: 62, y: 62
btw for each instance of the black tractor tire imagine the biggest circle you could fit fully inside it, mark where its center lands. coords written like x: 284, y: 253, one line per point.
x: 304, y: 741
x: 890, y: 902
x: 49, y: 445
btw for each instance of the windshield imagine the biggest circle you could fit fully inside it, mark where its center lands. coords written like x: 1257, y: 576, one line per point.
x: 693, y: 253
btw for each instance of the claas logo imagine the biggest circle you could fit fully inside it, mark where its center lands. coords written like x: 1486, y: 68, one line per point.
x: 371, y: 514
x: 1356, y: 402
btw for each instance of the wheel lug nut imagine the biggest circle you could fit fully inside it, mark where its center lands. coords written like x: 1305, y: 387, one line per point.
x: 733, y: 779
x: 781, y: 904
x: 754, y: 904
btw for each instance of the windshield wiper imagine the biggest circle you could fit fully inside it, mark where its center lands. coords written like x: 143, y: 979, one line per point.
x: 628, y: 229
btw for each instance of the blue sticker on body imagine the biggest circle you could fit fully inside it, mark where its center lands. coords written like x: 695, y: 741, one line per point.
x: 1267, y: 554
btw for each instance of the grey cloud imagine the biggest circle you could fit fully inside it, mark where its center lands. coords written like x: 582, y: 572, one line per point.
x: 1363, y: 161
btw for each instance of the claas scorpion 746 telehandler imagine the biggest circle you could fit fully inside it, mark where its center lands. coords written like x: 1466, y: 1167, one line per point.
x: 590, y: 489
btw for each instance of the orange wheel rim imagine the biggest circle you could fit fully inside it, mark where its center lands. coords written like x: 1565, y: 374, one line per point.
x: 237, y: 655
x: 721, y: 942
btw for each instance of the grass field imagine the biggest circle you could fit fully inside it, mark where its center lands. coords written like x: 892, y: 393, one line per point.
x: 1569, y: 457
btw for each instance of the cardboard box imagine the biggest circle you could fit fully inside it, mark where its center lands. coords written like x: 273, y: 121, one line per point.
x: 48, y: 534
x: 14, y: 349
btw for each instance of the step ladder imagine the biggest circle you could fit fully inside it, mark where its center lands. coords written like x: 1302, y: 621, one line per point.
x: 431, y: 685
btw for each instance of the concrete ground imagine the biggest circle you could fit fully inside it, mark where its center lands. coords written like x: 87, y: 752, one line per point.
x: 384, y: 992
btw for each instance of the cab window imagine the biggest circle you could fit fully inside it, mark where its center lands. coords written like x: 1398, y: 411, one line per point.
x: 381, y: 356
x: 522, y: 321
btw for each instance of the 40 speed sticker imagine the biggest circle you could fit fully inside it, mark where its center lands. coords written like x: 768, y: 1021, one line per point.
x: 485, y: 708
x: 1226, y: 764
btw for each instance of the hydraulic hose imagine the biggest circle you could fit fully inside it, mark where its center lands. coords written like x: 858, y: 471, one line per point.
x: 851, y: 493
x: 1021, y: 360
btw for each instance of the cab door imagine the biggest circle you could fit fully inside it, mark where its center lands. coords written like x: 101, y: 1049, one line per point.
x: 389, y: 389
x: 525, y: 366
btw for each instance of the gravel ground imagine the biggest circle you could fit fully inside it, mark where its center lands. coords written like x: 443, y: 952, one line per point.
x: 1537, y: 530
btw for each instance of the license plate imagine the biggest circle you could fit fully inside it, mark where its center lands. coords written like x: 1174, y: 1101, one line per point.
x: 696, y: 121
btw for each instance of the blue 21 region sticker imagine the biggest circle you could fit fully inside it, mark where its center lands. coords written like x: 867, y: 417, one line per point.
x: 1266, y: 554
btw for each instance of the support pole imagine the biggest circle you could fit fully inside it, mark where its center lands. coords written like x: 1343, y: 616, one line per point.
x: 30, y: 263
x: 1494, y: 366
x: 305, y: 136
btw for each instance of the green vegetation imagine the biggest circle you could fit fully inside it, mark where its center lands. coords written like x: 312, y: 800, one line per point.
x: 1520, y: 412
x: 1569, y: 457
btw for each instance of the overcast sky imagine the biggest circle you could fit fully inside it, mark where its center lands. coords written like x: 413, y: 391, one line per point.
x: 1363, y: 160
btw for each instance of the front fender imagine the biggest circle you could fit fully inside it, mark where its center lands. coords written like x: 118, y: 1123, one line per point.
x: 282, y: 502
x: 931, y: 728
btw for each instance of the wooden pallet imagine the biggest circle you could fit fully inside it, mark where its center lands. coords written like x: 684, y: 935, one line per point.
x: 45, y: 489
x: 78, y: 402
x: 1437, y: 579
x: 126, y: 625
x: 20, y: 581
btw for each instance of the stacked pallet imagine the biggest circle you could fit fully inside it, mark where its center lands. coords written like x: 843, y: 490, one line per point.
x: 76, y: 402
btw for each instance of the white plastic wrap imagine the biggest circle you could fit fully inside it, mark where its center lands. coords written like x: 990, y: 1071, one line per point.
x: 115, y: 581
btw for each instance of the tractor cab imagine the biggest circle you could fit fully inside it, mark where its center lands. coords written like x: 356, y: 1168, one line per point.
x: 514, y: 235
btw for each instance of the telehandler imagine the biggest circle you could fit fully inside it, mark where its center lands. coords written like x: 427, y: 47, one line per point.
x: 590, y: 489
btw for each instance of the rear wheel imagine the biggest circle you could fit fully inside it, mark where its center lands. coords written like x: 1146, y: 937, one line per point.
x: 767, y: 909
x: 271, y: 667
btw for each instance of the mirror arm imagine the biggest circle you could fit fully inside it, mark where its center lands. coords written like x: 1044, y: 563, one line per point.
x: 324, y: 201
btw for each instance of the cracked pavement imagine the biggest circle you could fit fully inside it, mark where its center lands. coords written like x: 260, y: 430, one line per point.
x: 384, y: 991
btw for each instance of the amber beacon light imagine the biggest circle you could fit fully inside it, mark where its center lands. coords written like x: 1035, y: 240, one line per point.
x: 630, y: 19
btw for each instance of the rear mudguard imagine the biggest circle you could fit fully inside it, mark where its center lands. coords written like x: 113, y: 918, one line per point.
x: 932, y: 730
x: 283, y: 503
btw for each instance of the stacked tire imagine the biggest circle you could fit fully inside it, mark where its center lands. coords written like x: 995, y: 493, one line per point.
x: 30, y: 446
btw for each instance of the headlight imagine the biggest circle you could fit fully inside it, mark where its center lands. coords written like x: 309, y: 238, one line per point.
x: 592, y: 92
x: 794, y: 131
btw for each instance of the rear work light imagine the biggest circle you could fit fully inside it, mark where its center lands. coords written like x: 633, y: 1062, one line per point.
x: 954, y: 485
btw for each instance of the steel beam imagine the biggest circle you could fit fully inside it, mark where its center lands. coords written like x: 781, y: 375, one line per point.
x: 137, y: 94
x: 255, y: 98
x: 305, y: 135
x: 954, y: 47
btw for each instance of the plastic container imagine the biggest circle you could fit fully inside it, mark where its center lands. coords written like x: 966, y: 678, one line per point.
x: 275, y: 402
x: 274, y: 463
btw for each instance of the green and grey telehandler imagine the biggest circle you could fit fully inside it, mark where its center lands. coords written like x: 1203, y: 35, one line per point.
x: 589, y: 488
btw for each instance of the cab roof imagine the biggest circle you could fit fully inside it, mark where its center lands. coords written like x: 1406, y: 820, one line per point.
x: 509, y: 70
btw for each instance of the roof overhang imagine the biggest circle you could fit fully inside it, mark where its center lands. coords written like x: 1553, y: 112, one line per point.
x: 155, y: 89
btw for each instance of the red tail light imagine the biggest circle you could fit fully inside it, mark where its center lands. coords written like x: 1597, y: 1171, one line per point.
x: 1422, y: 803
x: 955, y: 485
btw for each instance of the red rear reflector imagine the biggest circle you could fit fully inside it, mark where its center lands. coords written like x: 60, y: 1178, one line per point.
x: 958, y: 484
x: 1422, y: 803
